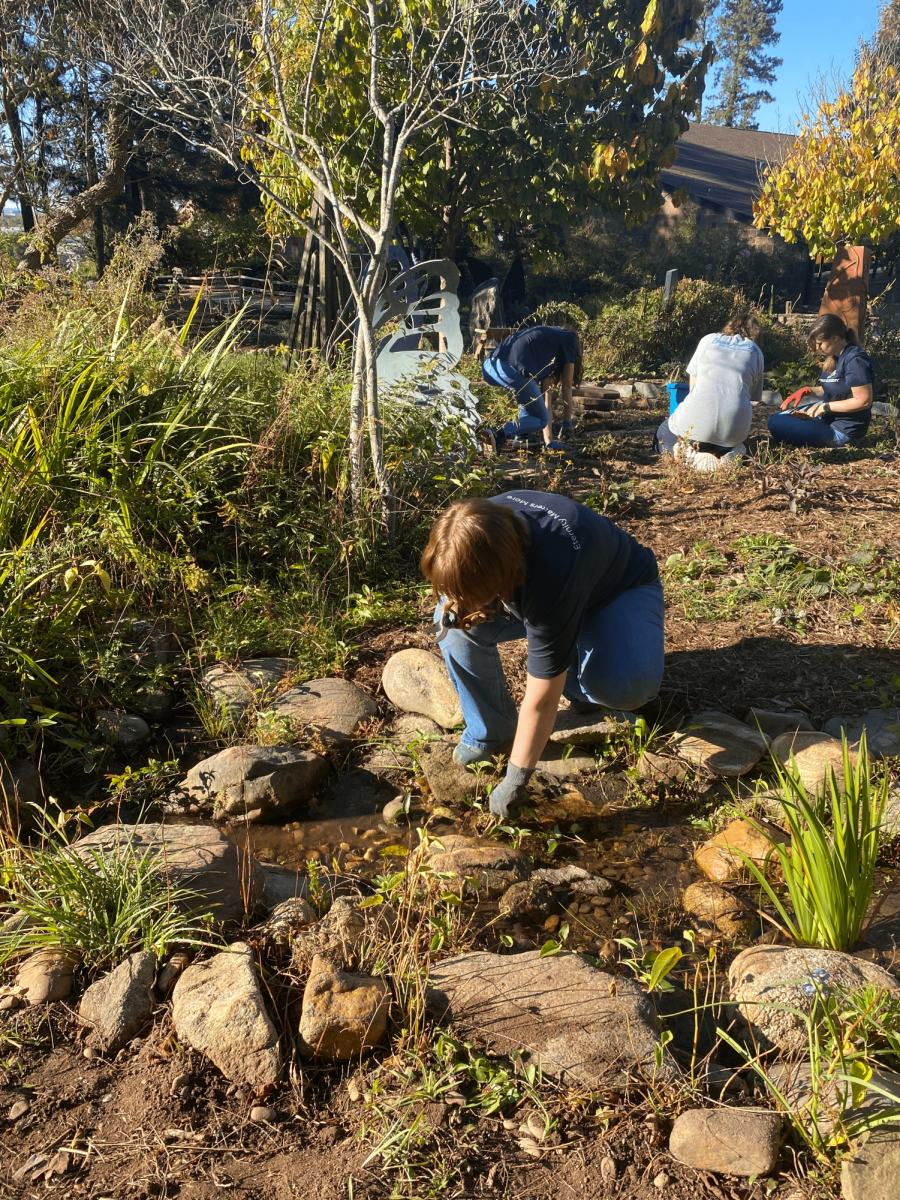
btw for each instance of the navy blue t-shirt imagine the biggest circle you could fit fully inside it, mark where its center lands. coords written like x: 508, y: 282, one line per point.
x: 853, y: 369
x: 577, y: 561
x: 539, y: 351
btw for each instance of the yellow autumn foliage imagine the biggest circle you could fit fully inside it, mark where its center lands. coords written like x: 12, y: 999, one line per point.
x: 840, y: 182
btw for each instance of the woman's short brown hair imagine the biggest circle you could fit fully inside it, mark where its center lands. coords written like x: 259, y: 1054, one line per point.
x: 476, y: 552
x: 745, y: 325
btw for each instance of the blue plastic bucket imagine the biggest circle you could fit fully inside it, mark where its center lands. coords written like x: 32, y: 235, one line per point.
x: 677, y: 393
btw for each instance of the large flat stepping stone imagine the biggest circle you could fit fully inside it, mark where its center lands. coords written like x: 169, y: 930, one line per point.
x: 236, y: 689
x: 816, y: 756
x: 577, y: 1022
x: 720, y: 744
x: 198, y: 857
x: 417, y: 681
x: 586, y: 728
x: 774, y: 986
x: 255, y: 783
x: 882, y: 727
x: 726, y: 1140
x: 335, y: 708
x: 493, y: 865
x: 218, y: 1008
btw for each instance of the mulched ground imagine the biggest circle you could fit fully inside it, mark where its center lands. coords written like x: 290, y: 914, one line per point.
x: 732, y: 665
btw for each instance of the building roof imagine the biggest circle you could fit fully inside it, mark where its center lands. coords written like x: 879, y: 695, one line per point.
x: 721, y: 165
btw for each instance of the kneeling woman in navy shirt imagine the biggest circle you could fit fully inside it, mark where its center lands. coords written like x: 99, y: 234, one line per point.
x: 584, y: 593
x: 846, y: 384
x: 529, y: 362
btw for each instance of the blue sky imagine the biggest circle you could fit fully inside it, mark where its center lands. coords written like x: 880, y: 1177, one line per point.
x: 814, y: 35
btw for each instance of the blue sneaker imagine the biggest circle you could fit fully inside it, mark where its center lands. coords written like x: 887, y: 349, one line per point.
x: 566, y: 430
x: 559, y: 447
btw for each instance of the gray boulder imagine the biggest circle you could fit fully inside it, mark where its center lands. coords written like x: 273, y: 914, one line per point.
x: 649, y: 390
x: 255, y: 783
x: 773, y: 724
x: 727, y: 1140
x: 334, y: 708
x: 121, y: 729
x: 417, y: 681
x: 343, y: 934
x: 578, y: 1023
x: 882, y: 726
x: 281, y: 884
x: 117, y: 1006
x: 155, y: 703
x: 218, y: 1009
x: 773, y: 984
x: 873, y: 1173
x: 236, y: 689
x: 198, y: 857
x: 771, y: 399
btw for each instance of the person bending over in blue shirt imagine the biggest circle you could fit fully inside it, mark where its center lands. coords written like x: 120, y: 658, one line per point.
x: 529, y: 363
x: 846, y: 386
x: 585, y: 594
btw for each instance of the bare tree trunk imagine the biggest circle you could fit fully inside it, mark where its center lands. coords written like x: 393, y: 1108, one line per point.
x: 357, y: 419
x: 90, y: 167
x: 11, y: 112
x: 72, y: 214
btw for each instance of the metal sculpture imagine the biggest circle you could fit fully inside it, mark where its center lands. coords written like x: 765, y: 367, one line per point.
x: 415, y: 361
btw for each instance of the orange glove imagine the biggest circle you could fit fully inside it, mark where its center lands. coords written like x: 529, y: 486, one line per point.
x: 795, y: 397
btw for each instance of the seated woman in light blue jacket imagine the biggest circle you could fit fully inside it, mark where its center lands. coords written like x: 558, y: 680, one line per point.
x: 708, y: 428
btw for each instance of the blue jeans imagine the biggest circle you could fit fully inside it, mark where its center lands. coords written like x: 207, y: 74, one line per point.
x: 795, y: 431
x: 532, y: 412
x: 618, y: 662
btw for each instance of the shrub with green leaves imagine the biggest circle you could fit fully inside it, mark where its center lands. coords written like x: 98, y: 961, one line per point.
x: 645, y: 331
x: 829, y: 866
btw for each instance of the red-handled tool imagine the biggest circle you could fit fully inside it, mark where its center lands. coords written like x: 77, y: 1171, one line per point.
x: 795, y: 397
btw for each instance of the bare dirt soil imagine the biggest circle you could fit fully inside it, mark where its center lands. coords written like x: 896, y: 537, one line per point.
x: 136, y: 1127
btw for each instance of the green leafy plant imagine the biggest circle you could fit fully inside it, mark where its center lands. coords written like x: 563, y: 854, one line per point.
x: 829, y: 865
x: 102, y: 904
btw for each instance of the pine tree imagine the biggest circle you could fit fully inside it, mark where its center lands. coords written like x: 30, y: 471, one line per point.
x: 742, y: 31
x: 704, y: 33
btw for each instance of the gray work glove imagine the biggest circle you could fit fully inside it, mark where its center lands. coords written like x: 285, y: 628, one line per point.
x: 508, y: 789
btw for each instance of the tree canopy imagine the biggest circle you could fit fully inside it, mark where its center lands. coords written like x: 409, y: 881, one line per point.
x: 599, y: 125
x: 840, y: 182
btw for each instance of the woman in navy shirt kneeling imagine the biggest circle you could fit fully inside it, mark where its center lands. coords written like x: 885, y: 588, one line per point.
x: 842, y: 417
x: 585, y: 594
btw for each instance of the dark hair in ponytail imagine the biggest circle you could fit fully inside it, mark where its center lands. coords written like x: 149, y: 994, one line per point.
x: 745, y: 325
x: 830, y: 325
